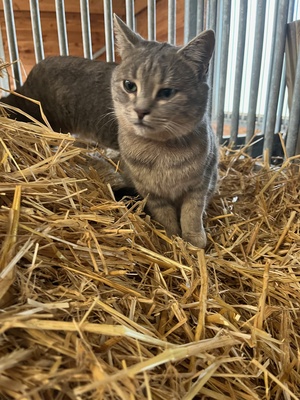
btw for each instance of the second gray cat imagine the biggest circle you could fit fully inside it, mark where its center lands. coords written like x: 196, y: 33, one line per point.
x: 159, y: 96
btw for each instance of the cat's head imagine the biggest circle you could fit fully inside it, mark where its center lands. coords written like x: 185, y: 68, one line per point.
x: 159, y: 90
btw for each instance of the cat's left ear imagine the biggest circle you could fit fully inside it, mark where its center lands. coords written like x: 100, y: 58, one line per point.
x: 200, y: 50
x: 126, y: 39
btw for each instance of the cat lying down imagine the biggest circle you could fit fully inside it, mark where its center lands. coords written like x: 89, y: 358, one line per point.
x: 152, y: 107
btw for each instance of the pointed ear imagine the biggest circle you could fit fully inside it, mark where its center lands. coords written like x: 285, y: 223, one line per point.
x: 126, y: 39
x: 199, y: 50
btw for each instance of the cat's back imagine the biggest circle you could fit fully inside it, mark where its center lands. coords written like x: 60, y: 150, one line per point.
x: 67, y: 71
x: 74, y: 93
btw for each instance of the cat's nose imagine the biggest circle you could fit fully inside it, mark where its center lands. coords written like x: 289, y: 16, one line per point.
x: 141, y: 112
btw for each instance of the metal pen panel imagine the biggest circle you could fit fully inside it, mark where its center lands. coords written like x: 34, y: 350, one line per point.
x: 12, y: 42
x: 36, y: 30
x: 256, y: 67
x: 151, y: 19
x: 294, y: 122
x: 223, y: 67
x: 239, y: 70
x: 172, y: 21
x: 108, y: 26
x: 61, y: 27
x: 276, y: 73
x: 86, y: 29
x: 130, y: 20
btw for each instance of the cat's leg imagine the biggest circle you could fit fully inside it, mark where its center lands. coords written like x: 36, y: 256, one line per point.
x: 165, y: 213
x: 191, y: 218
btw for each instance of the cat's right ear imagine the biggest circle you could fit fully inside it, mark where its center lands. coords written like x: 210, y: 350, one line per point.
x: 126, y: 39
x: 200, y: 50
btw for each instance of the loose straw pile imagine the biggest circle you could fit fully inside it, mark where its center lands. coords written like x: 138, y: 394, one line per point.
x: 98, y: 303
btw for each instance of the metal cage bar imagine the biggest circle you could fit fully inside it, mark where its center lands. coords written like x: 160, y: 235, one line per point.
x: 12, y: 42
x: 37, y: 30
x: 86, y: 29
x: 211, y: 24
x: 276, y: 74
x: 108, y: 26
x: 256, y: 67
x: 130, y: 20
x: 223, y: 66
x: 172, y: 21
x: 61, y: 27
x: 239, y: 70
x: 190, y: 20
x: 4, y: 80
x: 200, y: 16
x: 294, y: 121
x: 151, y: 19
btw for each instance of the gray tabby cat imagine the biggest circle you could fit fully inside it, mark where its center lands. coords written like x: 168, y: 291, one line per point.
x: 159, y: 93
x: 168, y: 149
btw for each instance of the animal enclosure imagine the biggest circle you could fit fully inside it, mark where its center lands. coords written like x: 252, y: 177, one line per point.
x: 96, y: 301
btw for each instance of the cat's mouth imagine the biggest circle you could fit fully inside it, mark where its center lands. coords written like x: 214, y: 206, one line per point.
x: 142, y: 124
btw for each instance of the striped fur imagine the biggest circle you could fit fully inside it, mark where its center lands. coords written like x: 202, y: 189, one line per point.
x: 169, y: 152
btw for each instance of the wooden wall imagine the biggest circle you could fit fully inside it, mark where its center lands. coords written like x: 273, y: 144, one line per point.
x: 72, y: 7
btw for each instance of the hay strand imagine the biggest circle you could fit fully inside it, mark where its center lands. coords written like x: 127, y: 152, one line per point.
x: 98, y: 303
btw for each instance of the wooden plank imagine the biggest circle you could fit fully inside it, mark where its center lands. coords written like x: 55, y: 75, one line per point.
x: 48, y: 21
x: 96, y: 6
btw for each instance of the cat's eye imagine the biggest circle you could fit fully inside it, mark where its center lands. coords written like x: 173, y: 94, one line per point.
x: 129, y: 86
x: 165, y: 94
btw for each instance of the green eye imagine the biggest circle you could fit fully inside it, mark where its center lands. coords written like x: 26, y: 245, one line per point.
x: 164, y: 94
x: 129, y: 86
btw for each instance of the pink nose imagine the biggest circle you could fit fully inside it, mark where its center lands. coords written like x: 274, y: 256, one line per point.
x: 141, y: 113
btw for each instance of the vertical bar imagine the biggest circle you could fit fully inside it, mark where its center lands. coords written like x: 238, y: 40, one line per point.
x: 12, y: 42
x: 151, y: 19
x: 256, y: 67
x: 61, y: 27
x: 276, y: 74
x: 223, y: 69
x: 36, y: 30
x: 86, y: 29
x: 108, y: 26
x: 239, y: 70
x: 211, y: 24
x: 190, y: 20
x: 293, y: 129
x: 172, y: 21
x: 212, y: 15
x: 4, y: 81
x: 272, y: 57
x: 200, y: 16
x: 283, y: 76
x: 130, y: 21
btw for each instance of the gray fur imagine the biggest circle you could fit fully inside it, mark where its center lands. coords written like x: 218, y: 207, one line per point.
x: 75, y: 96
x: 170, y: 153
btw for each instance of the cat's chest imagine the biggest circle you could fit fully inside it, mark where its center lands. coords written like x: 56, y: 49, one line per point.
x: 166, y: 172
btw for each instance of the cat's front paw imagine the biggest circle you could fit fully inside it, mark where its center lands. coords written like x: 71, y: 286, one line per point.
x: 197, y: 239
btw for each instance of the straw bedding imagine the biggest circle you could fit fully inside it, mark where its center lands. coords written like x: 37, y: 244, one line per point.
x: 97, y: 303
